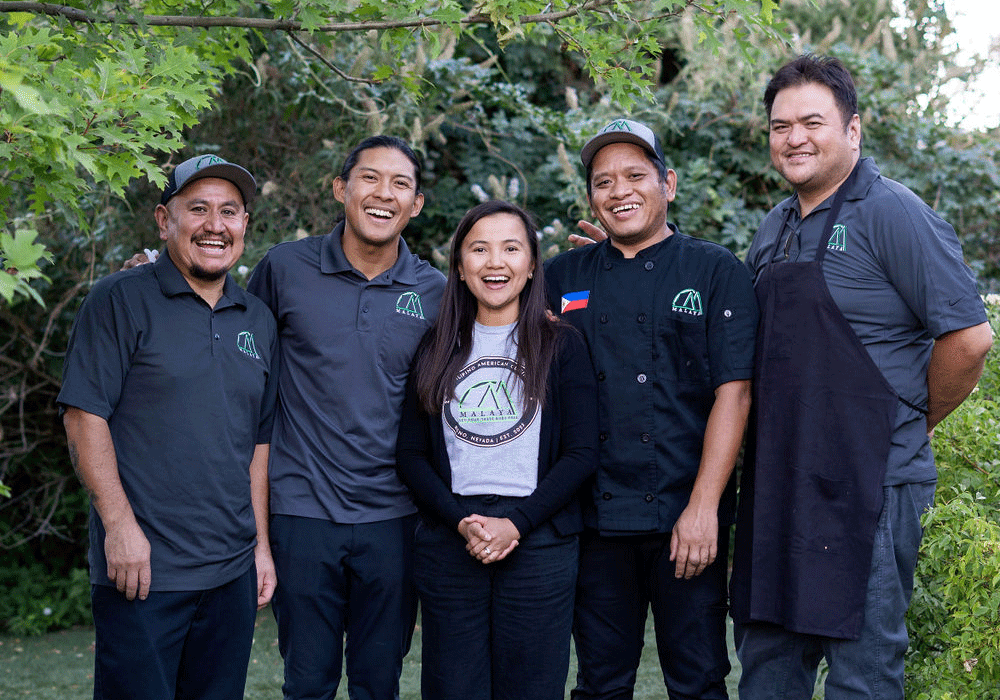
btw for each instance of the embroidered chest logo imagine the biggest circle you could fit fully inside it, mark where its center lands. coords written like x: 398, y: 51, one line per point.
x: 687, y: 301
x: 244, y: 341
x: 838, y: 239
x: 409, y: 304
x: 572, y: 301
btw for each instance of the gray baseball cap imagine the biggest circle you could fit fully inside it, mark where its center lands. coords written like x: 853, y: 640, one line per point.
x: 210, y: 166
x: 622, y: 131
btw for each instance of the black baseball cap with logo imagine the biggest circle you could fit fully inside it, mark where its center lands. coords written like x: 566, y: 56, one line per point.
x: 622, y: 131
x: 210, y: 166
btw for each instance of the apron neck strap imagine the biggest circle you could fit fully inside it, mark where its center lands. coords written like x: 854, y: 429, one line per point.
x: 831, y: 217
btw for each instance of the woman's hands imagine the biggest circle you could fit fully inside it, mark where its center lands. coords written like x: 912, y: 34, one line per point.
x: 488, y: 539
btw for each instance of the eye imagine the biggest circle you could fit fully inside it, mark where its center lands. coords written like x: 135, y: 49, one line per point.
x: 779, y: 128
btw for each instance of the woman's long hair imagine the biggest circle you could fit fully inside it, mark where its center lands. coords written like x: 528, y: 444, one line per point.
x: 446, y: 349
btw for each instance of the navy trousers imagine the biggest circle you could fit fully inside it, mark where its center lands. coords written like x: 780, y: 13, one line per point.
x: 337, y: 580
x: 620, y: 579
x: 498, y: 631
x: 175, y: 645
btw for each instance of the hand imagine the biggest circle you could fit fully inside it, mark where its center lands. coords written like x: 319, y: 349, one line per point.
x: 592, y: 234
x: 493, y: 538
x: 143, y: 258
x: 127, y: 551
x: 267, y: 579
x: 694, y: 542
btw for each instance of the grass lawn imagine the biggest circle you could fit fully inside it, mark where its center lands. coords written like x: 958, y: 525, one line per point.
x: 60, y: 666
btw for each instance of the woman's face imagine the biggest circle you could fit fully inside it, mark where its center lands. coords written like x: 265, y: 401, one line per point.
x: 495, y: 262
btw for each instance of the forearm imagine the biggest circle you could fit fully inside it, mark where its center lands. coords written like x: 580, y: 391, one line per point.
x: 92, y: 453
x: 723, y: 437
x: 955, y: 366
x: 260, y: 495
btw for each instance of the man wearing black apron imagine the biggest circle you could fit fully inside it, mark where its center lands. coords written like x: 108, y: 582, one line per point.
x: 871, y: 332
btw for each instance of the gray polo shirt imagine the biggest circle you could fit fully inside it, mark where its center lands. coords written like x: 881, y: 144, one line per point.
x: 346, y: 344
x: 895, y: 270
x: 188, y: 392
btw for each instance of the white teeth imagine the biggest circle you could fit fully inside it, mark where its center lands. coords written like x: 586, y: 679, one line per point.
x: 381, y: 213
x: 213, y: 243
x: 624, y: 207
x: 496, y: 279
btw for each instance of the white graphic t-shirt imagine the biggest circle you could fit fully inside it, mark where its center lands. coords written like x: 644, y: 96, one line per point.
x: 490, y: 431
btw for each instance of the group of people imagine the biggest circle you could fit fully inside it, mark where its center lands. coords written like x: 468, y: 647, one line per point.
x: 534, y: 451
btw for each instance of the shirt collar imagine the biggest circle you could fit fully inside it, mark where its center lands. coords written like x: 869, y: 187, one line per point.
x: 648, y: 252
x: 332, y: 259
x: 172, y: 283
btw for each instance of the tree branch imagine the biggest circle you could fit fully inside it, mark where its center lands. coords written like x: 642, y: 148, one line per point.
x: 76, y: 15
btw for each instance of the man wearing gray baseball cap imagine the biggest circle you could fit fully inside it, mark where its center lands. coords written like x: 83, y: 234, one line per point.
x: 168, y: 396
x: 670, y: 323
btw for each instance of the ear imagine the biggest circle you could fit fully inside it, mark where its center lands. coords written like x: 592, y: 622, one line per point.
x: 162, y: 216
x: 460, y: 270
x: 670, y: 184
x: 339, y: 186
x: 418, y: 204
x: 854, y: 132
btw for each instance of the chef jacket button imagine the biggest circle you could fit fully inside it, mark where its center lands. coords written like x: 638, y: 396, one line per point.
x: 603, y: 437
x: 641, y: 378
x: 649, y: 265
x: 649, y: 498
x: 604, y: 318
x: 600, y: 376
x: 641, y: 318
x: 644, y: 437
x: 606, y: 496
x: 607, y: 266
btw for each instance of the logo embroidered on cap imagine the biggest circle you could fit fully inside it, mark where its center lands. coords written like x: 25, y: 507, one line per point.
x: 244, y: 341
x: 838, y: 239
x: 688, y: 301
x: 575, y: 300
x: 409, y: 304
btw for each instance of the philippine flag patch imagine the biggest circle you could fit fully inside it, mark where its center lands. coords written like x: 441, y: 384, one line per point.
x: 574, y: 301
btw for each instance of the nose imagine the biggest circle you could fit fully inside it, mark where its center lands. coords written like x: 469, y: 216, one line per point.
x: 796, y: 135
x: 621, y: 187
x: 494, y: 258
x: 213, y: 222
x: 383, y: 190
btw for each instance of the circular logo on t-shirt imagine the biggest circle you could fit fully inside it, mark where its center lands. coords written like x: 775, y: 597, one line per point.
x: 488, y: 410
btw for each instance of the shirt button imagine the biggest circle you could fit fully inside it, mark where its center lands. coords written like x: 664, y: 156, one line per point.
x: 603, y: 437
x: 364, y: 309
x: 216, y: 336
x: 649, y: 498
x: 604, y: 318
x: 644, y: 437
x: 606, y: 496
x: 727, y: 313
x: 607, y: 266
x: 649, y: 265
x: 600, y: 376
x: 641, y: 378
x: 641, y: 318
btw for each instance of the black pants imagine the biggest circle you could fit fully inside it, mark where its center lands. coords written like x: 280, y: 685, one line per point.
x: 175, y: 645
x: 620, y: 579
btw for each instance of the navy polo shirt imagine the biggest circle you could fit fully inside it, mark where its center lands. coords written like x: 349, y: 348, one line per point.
x: 665, y: 329
x: 346, y: 344
x: 895, y: 270
x: 188, y: 392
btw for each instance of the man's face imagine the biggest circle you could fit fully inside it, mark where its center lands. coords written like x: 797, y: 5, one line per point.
x: 627, y: 195
x: 379, y: 197
x: 811, y: 146
x: 204, y: 225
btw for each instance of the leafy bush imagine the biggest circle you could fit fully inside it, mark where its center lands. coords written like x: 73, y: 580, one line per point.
x: 37, y: 602
x: 954, y: 619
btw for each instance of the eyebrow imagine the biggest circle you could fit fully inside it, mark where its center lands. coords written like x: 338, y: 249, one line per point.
x: 228, y: 202
x: 807, y: 117
x: 367, y: 169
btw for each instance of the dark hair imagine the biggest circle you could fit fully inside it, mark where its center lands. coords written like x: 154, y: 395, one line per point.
x: 826, y: 71
x: 661, y: 168
x: 446, y: 348
x: 381, y: 141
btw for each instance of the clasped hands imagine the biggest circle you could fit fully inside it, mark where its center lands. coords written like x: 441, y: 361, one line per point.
x: 488, y: 539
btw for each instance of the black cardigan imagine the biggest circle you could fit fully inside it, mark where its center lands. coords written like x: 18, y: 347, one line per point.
x: 567, y: 448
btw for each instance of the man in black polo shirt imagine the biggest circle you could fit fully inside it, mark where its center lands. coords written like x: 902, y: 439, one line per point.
x: 168, y: 394
x: 351, y: 306
x: 670, y: 322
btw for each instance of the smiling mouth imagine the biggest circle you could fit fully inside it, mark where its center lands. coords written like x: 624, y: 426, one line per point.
x: 624, y: 207
x: 379, y: 213
x: 496, y: 279
x: 212, y: 243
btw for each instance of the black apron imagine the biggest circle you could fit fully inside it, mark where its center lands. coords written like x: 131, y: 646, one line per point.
x: 817, y: 451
